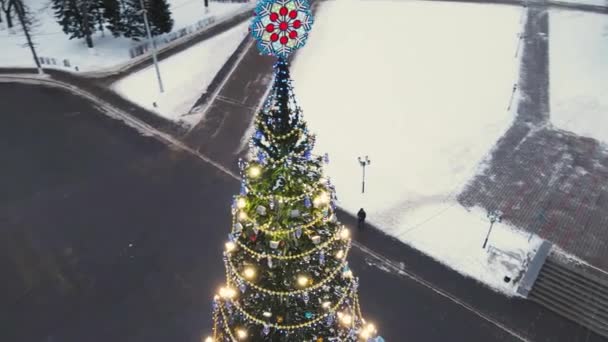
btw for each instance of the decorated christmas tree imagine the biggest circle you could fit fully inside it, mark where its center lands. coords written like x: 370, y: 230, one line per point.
x: 287, y: 278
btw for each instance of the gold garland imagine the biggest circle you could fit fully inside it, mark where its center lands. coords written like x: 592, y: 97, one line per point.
x: 271, y: 232
x: 285, y: 327
x: 288, y: 293
x: 335, y: 237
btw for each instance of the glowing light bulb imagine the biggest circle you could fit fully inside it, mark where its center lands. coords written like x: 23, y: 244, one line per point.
x: 348, y: 274
x: 230, y: 246
x: 249, y: 272
x: 255, y: 171
x: 241, y: 334
x: 346, y: 319
x: 326, y: 305
x: 241, y: 203
x: 242, y: 216
x: 340, y: 254
x: 227, y: 292
x: 209, y: 339
x: 344, y: 233
x: 302, y: 281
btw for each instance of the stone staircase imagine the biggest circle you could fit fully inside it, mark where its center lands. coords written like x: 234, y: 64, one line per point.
x: 573, y: 293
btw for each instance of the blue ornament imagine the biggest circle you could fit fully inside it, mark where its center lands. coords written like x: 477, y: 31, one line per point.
x: 261, y: 157
x: 243, y: 189
x: 305, y: 297
x: 259, y: 135
x: 322, y: 258
x: 307, y: 202
x: 379, y: 339
x: 308, y: 315
x: 307, y: 154
x: 243, y: 287
x: 326, y: 158
x: 266, y: 330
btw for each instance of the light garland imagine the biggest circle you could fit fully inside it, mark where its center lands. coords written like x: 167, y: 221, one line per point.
x: 337, y: 236
x: 274, y: 232
x: 295, y: 131
x: 231, y: 268
x: 291, y: 327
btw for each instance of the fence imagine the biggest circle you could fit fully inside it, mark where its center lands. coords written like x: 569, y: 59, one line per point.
x: 55, y: 62
x: 166, y: 38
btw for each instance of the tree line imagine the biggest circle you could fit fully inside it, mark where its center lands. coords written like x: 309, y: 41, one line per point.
x: 82, y: 18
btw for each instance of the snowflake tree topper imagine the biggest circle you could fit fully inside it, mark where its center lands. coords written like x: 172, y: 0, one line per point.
x: 281, y: 26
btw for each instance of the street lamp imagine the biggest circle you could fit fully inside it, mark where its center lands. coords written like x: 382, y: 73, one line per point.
x: 144, y: 12
x: 493, y: 216
x: 363, y: 162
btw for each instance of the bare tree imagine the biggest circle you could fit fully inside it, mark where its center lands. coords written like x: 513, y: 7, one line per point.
x: 7, y: 8
x: 26, y: 20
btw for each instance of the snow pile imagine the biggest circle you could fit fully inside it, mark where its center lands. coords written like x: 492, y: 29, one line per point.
x: 108, y: 51
x: 186, y: 76
x: 578, y: 66
x: 583, y: 2
x: 423, y: 89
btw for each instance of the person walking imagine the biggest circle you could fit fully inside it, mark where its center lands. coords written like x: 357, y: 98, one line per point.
x: 361, y: 219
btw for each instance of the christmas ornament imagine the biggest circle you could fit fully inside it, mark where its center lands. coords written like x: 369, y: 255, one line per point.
x: 261, y: 210
x: 316, y: 239
x: 294, y: 213
x: 274, y: 244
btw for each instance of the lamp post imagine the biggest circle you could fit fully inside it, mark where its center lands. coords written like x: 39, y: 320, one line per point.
x: 363, y: 162
x: 493, y: 216
x: 144, y: 12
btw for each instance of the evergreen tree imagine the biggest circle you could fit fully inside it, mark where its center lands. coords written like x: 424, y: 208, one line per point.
x: 159, y: 15
x: 111, y: 14
x: 77, y: 18
x: 132, y: 20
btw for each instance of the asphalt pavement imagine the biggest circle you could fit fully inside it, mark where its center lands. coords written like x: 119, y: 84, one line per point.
x: 108, y: 235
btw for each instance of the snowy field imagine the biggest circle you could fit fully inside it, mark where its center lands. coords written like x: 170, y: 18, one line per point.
x: 108, y: 52
x: 185, y: 76
x: 423, y: 89
x: 578, y: 50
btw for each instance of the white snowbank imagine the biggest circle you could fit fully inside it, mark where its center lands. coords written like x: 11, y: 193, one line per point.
x: 423, y: 89
x: 584, y: 2
x: 578, y: 64
x: 109, y: 51
x: 185, y: 76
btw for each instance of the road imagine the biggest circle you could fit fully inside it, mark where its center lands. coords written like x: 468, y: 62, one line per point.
x: 108, y: 235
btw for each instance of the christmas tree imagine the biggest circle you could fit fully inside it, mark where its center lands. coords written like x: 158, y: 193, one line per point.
x: 287, y: 278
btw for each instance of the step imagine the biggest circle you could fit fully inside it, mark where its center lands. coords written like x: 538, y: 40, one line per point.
x: 584, y: 303
x: 556, y: 306
x: 597, y: 278
x: 571, y: 273
x: 574, y: 285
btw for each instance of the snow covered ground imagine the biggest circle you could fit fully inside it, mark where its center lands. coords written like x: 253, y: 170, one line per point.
x: 423, y: 89
x: 185, y: 76
x: 109, y: 51
x: 578, y: 66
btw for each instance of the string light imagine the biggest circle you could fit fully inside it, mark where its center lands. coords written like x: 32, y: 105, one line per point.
x: 230, y: 246
x: 249, y: 272
x: 255, y: 171
x: 227, y: 292
x: 241, y: 334
x: 303, y: 280
x: 243, y: 216
x: 344, y: 233
x: 340, y: 254
x: 241, y: 203
x: 209, y: 339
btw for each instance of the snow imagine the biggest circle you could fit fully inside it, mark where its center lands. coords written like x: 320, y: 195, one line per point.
x: 425, y: 96
x: 578, y: 66
x: 108, y: 51
x: 185, y: 76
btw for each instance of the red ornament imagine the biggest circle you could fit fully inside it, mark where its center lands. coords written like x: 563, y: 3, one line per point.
x: 253, y: 237
x: 274, y: 16
x: 283, y: 11
x: 283, y: 26
x: 269, y: 27
x: 293, y: 34
x: 296, y: 24
x: 274, y: 37
x: 293, y: 14
x: 284, y: 40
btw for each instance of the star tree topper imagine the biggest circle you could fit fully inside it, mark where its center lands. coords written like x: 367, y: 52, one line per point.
x: 281, y: 26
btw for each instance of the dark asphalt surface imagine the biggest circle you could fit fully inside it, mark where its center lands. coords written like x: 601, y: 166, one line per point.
x: 78, y: 188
